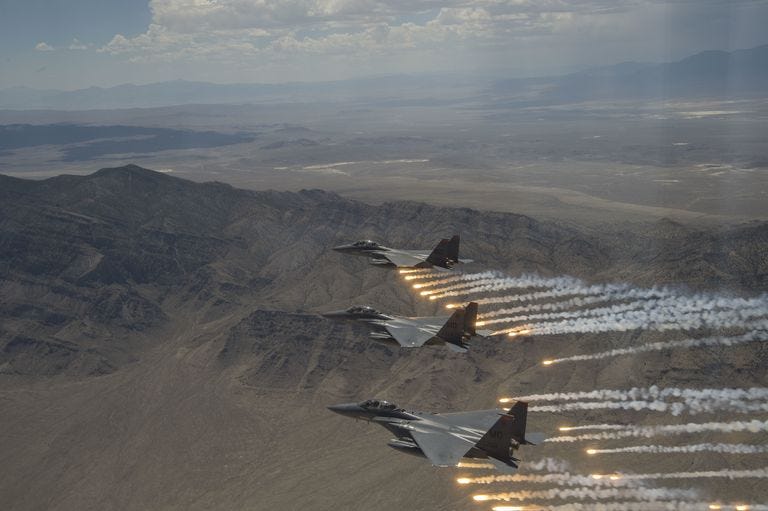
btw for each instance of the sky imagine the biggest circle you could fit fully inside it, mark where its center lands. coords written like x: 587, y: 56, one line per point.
x: 70, y: 44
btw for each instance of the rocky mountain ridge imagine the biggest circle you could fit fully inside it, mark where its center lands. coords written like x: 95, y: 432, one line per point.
x: 160, y: 347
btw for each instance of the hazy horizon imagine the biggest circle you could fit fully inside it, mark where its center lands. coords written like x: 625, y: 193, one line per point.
x: 73, y: 45
x: 488, y: 75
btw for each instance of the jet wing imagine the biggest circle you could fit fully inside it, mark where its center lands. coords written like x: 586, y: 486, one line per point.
x: 442, y: 448
x: 403, y: 260
x: 480, y: 420
x: 409, y: 336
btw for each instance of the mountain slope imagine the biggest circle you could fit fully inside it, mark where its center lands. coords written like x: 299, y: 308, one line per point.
x: 160, y: 351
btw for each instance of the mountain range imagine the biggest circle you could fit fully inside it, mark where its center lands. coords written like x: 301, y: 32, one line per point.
x: 160, y: 346
x: 712, y: 74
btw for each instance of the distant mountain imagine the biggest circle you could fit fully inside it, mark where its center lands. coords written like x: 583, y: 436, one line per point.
x: 710, y: 73
x: 717, y: 74
x: 180, y: 92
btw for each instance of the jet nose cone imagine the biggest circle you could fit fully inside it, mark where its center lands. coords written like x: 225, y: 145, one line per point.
x: 346, y: 409
x: 341, y: 248
x: 338, y: 408
x: 334, y: 314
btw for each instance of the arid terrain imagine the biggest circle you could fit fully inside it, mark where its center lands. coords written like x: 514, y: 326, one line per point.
x: 160, y: 346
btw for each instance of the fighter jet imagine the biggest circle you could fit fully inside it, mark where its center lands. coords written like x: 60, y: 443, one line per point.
x: 444, y: 439
x: 444, y: 256
x: 455, y: 331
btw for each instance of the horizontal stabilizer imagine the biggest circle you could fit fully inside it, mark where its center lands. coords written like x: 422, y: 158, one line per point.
x: 535, y: 438
x: 506, y: 468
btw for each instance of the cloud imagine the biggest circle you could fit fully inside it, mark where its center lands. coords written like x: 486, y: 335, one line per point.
x: 43, y: 46
x: 76, y: 45
x: 271, y: 28
x: 353, y: 36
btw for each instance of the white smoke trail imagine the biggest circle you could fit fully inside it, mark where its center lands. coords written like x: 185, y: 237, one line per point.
x: 547, y: 465
x: 658, y: 319
x: 690, y: 448
x: 587, y: 297
x: 559, y: 479
x: 539, y: 295
x: 616, y: 479
x: 611, y: 310
x: 645, y: 506
x: 674, y: 304
x: 456, y: 278
x: 457, y: 288
x: 675, y: 409
x: 753, y: 426
x: 650, y: 393
x: 759, y: 473
x: 594, y: 427
x: 600, y: 290
x: 642, y: 494
x: 422, y: 276
x: 556, y: 283
x: 757, y: 335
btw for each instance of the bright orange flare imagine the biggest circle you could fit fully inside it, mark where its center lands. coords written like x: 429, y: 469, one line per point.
x: 452, y: 305
x: 418, y: 286
x: 480, y: 323
x: 505, y: 399
x: 463, y: 480
x: 425, y: 293
x: 591, y: 451
x: 463, y: 464
x: 615, y: 477
x: 715, y: 506
x: 742, y: 507
x: 548, y: 362
x: 597, y: 476
x: 433, y: 297
x: 481, y: 498
x: 565, y: 428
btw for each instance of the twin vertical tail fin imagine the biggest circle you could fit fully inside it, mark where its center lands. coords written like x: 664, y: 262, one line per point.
x: 460, y: 326
x: 453, y: 329
x: 506, y: 435
x: 446, y: 253
x: 470, y: 318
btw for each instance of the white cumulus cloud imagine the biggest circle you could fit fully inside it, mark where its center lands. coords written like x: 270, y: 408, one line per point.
x: 43, y: 46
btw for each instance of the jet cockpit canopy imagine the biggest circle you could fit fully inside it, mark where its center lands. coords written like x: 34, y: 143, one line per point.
x: 362, y: 309
x: 367, y: 244
x: 378, y: 404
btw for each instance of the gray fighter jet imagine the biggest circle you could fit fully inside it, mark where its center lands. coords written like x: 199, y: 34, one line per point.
x: 444, y: 256
x: 444, y: 439
x: 455, y: 331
